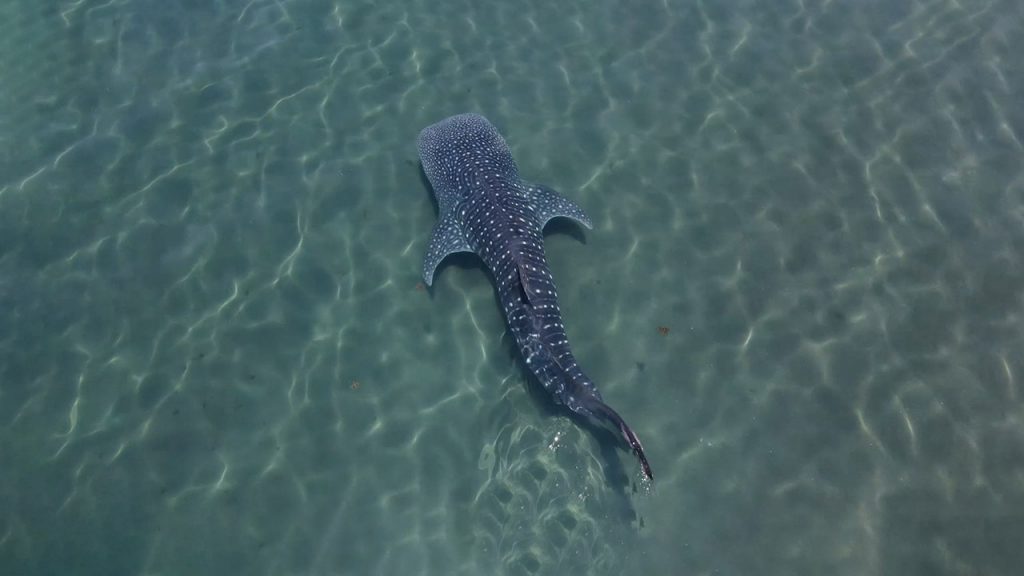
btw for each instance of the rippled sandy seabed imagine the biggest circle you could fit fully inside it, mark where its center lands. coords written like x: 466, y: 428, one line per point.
x: 803, y: 288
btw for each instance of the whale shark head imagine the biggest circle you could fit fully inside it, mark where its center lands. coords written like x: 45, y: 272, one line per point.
x: 458, y: 150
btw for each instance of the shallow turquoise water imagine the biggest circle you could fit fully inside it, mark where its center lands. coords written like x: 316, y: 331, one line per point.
x: 803, y: 288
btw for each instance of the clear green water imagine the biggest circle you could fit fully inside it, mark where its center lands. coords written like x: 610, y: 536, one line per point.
x: 214, y: 357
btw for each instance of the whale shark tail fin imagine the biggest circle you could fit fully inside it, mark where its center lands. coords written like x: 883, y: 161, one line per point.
x: 599, y: 408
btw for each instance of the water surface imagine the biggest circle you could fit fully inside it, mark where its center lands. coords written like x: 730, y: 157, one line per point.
x: 803, y: 288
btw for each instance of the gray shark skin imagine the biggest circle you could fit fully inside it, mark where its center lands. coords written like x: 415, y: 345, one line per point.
x: 486, y: 209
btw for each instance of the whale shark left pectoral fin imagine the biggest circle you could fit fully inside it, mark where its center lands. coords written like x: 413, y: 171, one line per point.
x: 448, y: 238
x: 549, y: 204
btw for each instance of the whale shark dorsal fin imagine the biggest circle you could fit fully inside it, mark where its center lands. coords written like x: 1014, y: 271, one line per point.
x: 549, y: 204
x: 524, y: 283
x: 446, y: 239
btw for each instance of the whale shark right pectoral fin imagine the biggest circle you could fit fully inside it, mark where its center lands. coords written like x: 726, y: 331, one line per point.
x: 447, y: 238
x: 549, y: 204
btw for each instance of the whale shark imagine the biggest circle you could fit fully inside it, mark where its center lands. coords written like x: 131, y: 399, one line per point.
x: 485, y: 208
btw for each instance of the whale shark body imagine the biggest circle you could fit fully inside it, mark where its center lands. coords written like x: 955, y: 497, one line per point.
x: 485, y: 208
